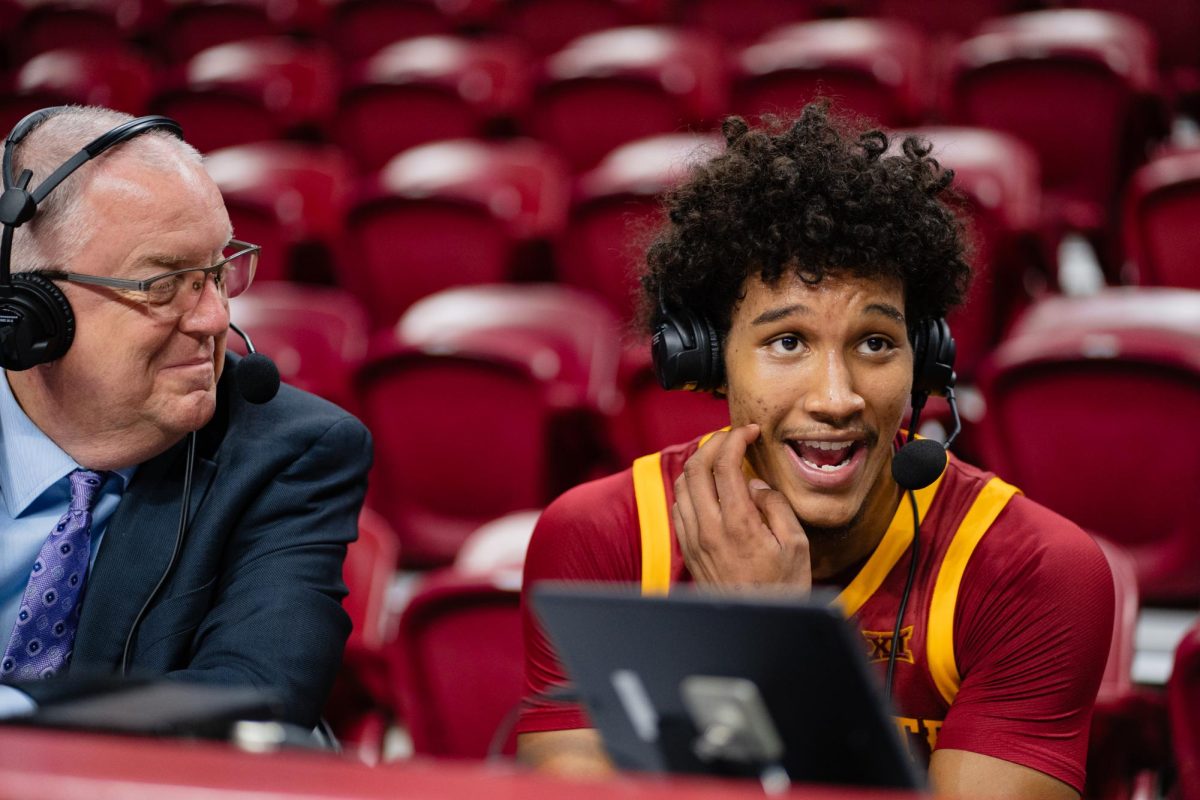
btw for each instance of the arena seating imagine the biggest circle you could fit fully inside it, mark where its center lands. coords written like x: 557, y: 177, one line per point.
x: 288, y: 197
x: 614, y: 204
x: 428, y: 88
x: 457, y: 664
x: 875, y: 67
x: 118, y: 77
x: 1085, y: 403
x: 1161, y: 237
x: 251, y: 91
x: 1183, y: 693
x: 449, y: 214
x: 485, y: 400
x: 612, y: 87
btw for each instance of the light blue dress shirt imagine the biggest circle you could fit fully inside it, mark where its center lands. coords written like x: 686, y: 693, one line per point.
x: 34, y: 493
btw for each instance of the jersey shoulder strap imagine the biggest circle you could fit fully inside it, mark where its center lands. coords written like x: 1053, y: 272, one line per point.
x: 987, y: 505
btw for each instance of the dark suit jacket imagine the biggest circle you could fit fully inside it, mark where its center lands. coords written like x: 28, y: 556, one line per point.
x: 254, y: 597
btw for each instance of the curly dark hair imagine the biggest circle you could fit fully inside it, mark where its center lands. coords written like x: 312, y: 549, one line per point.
x: 814, y: 196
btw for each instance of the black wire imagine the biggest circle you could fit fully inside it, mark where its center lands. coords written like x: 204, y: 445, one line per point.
x: 908, y: 584
x: 182, y: 531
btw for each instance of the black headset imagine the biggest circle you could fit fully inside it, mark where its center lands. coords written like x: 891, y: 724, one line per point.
x: 36, y: 322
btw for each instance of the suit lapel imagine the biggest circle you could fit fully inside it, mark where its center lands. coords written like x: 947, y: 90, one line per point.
x: 134, y: 553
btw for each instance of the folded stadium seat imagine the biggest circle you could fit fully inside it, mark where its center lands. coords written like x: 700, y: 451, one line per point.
x: 360, y: 706
x: 545, y: 26
x: 498, y: 546
x: 288, y: 197
x: 485, y: 400
x: 450, y: 214
x: 1162, y: 203
x: 652, y: 418
x: 1080, y: 87
x: 946, y: 19
x: 192, y: 26
x: 117, y: 78
x: 360, y: 28
x: 457, y: 665
x: 998, y: 177
x: 91, y: 24
x: 614, y: 208
x: 316, y: 335
x: 1176, y: 26
x: 1183, y: 692
x: 252, y: 91
x: 428, y: 88
x: 615, y: 86
x: 744, y: 21
x: 1089, y: 405
x: 874, y: 67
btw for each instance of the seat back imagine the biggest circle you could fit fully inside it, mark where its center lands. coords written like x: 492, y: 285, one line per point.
x: 1161, y: 206
x: 612, y: 87
x: 1089, y: 405
x: 744, y: 21
x: 873, y: 67
x: 1183, y: 697
x: 459, y: 664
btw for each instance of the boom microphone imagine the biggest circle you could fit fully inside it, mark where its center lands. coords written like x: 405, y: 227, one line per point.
x: 257, y: 377
x: 918, y: 463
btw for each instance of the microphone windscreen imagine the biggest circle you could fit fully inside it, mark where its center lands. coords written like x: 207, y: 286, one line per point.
x: 257, y: 378
x: 919, y: 463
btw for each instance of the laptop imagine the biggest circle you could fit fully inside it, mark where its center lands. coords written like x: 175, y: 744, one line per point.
x: 714, y: 684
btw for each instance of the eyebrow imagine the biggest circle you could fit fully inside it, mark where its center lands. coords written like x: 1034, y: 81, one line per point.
x: 775, y: 314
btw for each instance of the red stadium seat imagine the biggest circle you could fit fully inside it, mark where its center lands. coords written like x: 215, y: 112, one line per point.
x: 1089, y: 405
x: 652, y: 418
x: 360, y: 28
x: 288, y: 197
x: 450, y: 214
x: 998, y: 177
x: 458, y: 665
x: 744, y: 21
x: 547, y: 25
x: 615, y: 204
x: 874, y: 67
x: 192, y: 26
x: 1077, y: 86
x: 1183, y: 694
x: 1162, y: 241
x: 615, y: 86
x: 498, y: 546
x: 115, y: 78
x: 946, y: 17
x: 359, y: 706
x: 316, y: 335
x: 54, y: 24
x: 428, y: 88
x: 251, y: 91
x: 485, y: 400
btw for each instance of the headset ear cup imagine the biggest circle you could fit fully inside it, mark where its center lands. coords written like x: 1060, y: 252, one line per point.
x: 38, y: 323
x: 686, y: 352
x: 933, y: 357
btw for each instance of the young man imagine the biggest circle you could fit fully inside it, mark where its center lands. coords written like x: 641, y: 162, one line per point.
x: 814, y: 255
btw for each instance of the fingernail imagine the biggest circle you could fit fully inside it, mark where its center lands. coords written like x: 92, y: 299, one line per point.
x: 758, y: 484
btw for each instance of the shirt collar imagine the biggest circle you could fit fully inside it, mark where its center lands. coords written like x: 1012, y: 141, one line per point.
x: 30, y: 461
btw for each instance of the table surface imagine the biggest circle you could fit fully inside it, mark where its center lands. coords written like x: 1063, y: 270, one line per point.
x: 42, y: 763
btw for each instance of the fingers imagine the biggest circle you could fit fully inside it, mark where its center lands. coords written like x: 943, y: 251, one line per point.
x: 779, y: 515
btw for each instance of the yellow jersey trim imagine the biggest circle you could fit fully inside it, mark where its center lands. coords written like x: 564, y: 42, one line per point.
x: 654, y: 521
x: 895, y: 542
x: 988, y: 504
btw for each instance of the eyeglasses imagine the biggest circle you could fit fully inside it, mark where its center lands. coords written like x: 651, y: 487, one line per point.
x: 172, y: 294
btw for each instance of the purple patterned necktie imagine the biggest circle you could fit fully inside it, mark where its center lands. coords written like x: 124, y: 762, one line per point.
x: 42, y: 637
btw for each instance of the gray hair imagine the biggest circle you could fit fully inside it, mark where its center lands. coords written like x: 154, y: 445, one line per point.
x: 59, y: 230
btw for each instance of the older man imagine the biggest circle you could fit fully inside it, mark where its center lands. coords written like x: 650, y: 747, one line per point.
x: 192, y: 535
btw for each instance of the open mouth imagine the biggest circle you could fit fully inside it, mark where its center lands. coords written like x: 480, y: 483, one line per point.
x: 824, y: 455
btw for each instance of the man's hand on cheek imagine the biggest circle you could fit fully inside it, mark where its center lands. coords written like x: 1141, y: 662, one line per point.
x: 735, y: 533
